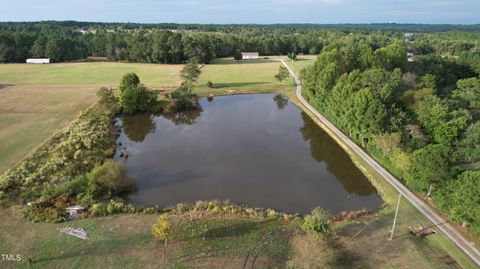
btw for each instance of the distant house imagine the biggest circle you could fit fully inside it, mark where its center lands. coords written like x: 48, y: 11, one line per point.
x: 250, y: 55
x: 412, y: 57
x: 38, y: 61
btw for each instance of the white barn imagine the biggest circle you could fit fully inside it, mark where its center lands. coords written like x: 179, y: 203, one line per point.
x: 38, y: 61
x: 250, y: 55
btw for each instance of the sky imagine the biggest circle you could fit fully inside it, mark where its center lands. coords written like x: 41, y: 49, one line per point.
x: 245, y: 11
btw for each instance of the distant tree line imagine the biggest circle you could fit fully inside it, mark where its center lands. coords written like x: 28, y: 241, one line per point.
x: 174, y: 43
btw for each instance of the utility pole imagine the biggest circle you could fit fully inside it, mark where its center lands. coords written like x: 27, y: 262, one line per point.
x: 395, y: 219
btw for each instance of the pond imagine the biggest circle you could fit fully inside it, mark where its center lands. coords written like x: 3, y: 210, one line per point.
x: 256, y: 150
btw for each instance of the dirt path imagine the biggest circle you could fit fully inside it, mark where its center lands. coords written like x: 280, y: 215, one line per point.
x: 426, y: 210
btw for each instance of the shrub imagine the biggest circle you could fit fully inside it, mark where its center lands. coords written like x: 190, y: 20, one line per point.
x: 116, y: 207
x: 109, y: 179
x: 210, y: 84
x: 98, y: 209
x: 319, y: 221
x: 161, y: 229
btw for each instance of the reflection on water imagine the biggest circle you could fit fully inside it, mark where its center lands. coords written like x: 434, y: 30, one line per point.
x: 324, y: 149
x: 281, y: 101
x: 137, y: 127
x: 244, y: 148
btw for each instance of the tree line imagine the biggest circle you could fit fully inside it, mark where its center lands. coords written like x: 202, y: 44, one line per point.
x: 167, y: 43
x: 420, y: 119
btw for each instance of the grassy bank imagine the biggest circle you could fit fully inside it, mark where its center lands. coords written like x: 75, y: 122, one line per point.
x: 28, y: 116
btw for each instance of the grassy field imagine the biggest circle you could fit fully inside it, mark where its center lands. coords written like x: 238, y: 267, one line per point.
x: 303, y: 61
x: 29, y: 115
x: 125, y: 241
x: 38, y: 100
x: 88, y: 74
x: 231, y: 77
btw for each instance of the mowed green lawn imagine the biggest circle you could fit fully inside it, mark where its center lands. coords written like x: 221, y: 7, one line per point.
x: 232, y: 77
x: 91, y: 74
x: 302, y: 62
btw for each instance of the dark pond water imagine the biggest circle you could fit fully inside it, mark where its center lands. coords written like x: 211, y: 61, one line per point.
x: 255, y: 150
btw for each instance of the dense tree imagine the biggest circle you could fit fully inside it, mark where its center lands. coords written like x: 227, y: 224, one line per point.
x: 391, y: 57
x: 39, y: 46
x: 237, y: 56
x: 468, y: 148
x: 468, y: 93
x: 442, y: 125
x: 429, y: 167
x: 135, y: 97
x: 461, y: 199
x: 420, y: 116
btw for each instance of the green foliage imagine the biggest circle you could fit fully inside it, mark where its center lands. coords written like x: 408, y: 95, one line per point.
x: 184, y: 99
x: 468, y: 93
x: 404, y: 113
x: 461, y: 198
x: 391, y: 57
x: 319, y: 221
x: 109, y: 180
x: 67, y: 155
x: 442, y: 125
x: 401, y: 160
x: 387, y: 142
x: 428, y: 81
x: 135, y: 97
x: 237, y: 56
x: 282, y: 73
x: 292, y: 56
x: 156, y: 43
x: 129, y: 80
x: 118, y: 207
x: 190, y: 73
x: 210, y: 84
x: 468, y: 148
x: 107, y: 97
x: 429, y: 165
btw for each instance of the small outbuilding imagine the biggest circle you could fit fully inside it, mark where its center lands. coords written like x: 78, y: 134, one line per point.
x: 74, y: 211
x: 38, y: 61
x: 250, y: 55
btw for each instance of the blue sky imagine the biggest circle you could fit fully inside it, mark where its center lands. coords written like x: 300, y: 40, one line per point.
x: 245, y: 11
